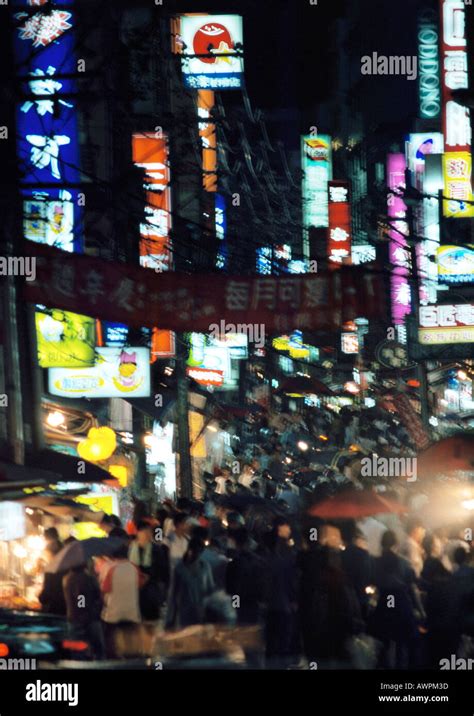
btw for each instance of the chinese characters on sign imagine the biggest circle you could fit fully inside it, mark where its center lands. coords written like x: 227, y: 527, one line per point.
x: 446, y: 324
x: 139, y: 297
x: 339, y: 236
x: 456, y: 117
x: 48, y: 148
x: 398, y: 231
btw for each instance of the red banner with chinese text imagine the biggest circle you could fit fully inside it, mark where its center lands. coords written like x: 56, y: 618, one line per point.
x: 194, y: 302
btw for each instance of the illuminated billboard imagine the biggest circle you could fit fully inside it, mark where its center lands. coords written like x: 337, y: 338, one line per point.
x: 446, y: 324
x: 457, y: 172
x: 150, y: 153
x: 419, y: 146
x: 349, y: 343
x: 295, y: 347
x: 398, y: 232
x: 456, y: 117
x: 117, y: 373
x: 212, y: 51
x: 46, y: 122
x: 455, y: 264
x: 316, y: 157
x: 339, y: 232
x: 208, y: 364
x: 429, y: 86
x: 421, y: 149
x: 64, y: 339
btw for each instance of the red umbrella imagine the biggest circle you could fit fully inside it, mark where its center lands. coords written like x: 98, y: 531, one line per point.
x: 304, y: 385
x: 354, y: 504
x: 450, y: 455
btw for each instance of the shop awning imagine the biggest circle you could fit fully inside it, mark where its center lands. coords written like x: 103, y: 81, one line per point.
x: 64, y: 468
x: 12, y: 475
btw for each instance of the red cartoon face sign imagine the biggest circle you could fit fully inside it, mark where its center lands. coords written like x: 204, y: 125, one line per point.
x: 213, y: 39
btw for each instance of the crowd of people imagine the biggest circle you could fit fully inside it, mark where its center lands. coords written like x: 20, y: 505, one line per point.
x: 380, y: 592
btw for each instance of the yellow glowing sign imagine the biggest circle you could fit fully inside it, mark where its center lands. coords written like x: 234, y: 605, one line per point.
x: 120, y: 473
x: 65, y: 339
x: 457, y: 168
x: 198, y: 445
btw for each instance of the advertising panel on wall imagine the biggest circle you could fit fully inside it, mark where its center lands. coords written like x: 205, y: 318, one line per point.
x: 64, y: 339
x: 455, y: 264
x: 208, y: 364
x: 316, y: 155
x: 47, y: 129
x: 421, y: 147
x: 340, y: 231
x: 398, y: 232
x: 117, y: 373
x: 446, y: 324
x: 456, y: 117
x: 212, y: 51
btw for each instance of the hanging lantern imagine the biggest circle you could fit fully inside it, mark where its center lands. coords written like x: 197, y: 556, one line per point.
x: 99, y: 445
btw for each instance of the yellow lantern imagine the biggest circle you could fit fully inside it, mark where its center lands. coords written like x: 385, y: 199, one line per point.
x: 99, y: 445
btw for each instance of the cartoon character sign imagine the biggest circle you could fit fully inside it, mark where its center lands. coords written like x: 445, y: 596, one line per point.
x: 128, y: 379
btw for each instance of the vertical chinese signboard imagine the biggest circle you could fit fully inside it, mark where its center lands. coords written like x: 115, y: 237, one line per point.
x: 397, y: 234
x: 47, y: 130
x: 457, y: 162
x: 150, y: 153
x: 339, y: 233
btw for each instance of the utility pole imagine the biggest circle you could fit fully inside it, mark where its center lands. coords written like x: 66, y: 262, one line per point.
x: 415, y: 298
x: 185, y: 473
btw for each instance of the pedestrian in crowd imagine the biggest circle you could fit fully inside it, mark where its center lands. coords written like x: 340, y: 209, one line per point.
x: 358, y: 566
x: 221, y: 480
x: 247, y: 579
x: 280, y: 619
x: 112, y: 526
x: 51, y: 596
x: 152, y: 559
x: 329, y: 609
x: 52, y: 541
x: 178, y: 539
x: 275, y: 465
x: 121, y: 612
x: 246, y: 475
x: 83, y: 608
x: 399, y: 607
x: 433, y: 568
x: 192, y: 584
x: 412, y: 548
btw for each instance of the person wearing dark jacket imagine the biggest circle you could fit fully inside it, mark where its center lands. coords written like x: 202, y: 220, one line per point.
x: 394, y: 621
x: 84, y: 605
x: 358, y: 566
x: 51, y: 596
x: 192, y: 584
x: 246, y: 578
x: 281, y: 601
x: 152, y: 559
x: 329, y: 609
